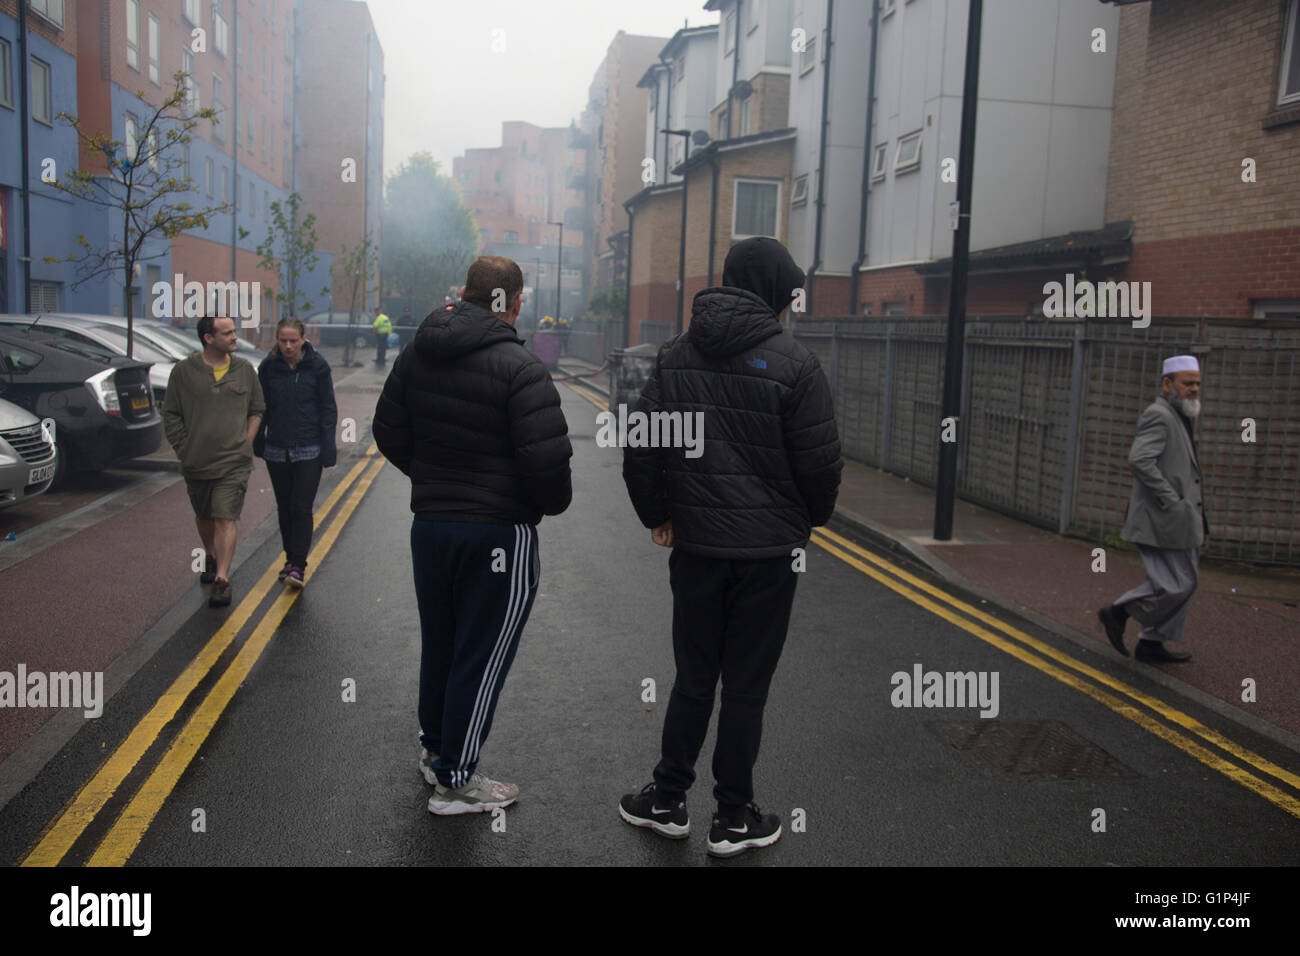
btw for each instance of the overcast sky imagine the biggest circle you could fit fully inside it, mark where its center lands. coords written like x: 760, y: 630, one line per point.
x: 448, y: 91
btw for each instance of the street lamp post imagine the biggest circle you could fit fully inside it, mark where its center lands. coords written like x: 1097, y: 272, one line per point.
x: 559, y: 270
x: 681, y: 249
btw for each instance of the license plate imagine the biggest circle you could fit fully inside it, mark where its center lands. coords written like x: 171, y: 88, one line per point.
x: 139, y: 403
x: 43, y: 473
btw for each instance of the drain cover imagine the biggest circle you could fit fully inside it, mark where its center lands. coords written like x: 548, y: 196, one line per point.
x: 1035, y: 749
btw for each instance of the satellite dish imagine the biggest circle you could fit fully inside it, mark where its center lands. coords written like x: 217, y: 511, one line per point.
x: 700, y: 138
x: 743, y: 90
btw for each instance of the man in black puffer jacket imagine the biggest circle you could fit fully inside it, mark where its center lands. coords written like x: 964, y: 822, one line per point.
x: 733, y: 515
x: 474, y: 420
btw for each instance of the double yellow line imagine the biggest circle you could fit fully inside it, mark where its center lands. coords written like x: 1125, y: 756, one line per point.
x: 125, y: 835
x: 1046, y: 658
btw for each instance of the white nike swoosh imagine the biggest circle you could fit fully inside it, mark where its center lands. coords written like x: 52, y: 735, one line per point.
x: 657, y: 810
x: 744, y: 829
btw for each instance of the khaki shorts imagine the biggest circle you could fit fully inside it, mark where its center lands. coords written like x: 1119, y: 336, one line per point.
x: 215, y: 498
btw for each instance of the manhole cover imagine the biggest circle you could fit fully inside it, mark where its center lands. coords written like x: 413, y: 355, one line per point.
x: 1037, y: 749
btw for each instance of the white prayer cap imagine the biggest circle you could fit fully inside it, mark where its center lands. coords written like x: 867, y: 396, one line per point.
x: 1181, y: 363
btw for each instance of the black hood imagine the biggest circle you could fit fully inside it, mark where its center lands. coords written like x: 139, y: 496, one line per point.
x: 725, y: 321
x: 764, y: 267
x: 306, y: 357
x: 446, y: 335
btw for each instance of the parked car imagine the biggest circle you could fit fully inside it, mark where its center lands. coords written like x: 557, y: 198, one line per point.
x: 101, y: 404
x: 27, y: 457
x: 106, y: 336
x: 334, y: 329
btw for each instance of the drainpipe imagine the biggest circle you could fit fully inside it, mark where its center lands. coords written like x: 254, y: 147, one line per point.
x: 26, y: 174
x: 234, y: 143
x: 668, y: 113
x: 627, y: 310
x: 735, y: 70
x: 866, y: 165
x: 821, y: 158
x: 713, y: 211
x: 365, y: 183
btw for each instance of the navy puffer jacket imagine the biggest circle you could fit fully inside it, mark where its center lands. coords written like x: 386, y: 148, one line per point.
x: 473, y: 418
x: 770, y: 467
x: 300, y: 406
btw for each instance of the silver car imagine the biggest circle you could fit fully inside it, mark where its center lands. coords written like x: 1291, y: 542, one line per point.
x: 27, y: 456
x: 108, y: 337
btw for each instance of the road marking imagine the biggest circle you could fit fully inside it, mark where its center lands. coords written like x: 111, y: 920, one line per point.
x: 590, y: 396
x: 1171, y: 714
x: 1235, y: 773
x: 57, y: 838
x: 129, y: 828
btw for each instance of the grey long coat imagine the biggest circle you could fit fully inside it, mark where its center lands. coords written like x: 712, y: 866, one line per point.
x: 1165, y: 509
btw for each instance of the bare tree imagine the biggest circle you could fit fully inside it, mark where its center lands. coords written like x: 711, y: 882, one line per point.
x: 354, y: 272
x: 142, y: 182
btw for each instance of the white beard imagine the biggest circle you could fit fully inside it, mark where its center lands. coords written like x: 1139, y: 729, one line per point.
x: 1191, y: 407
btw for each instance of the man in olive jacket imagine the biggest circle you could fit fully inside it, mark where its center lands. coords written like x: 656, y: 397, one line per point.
x: 734, y: 515
x: 211, y: 413
x: 1166, y: 518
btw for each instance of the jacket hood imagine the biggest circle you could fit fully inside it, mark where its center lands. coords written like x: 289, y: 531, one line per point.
x: 764, y: 267
x: 309, y: 355
x: 726, y: 320
x: 446, y: 335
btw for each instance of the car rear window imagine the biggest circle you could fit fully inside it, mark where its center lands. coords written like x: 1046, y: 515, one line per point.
x: 19, y: 360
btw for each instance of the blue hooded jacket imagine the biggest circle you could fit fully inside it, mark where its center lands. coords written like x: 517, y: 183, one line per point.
x: 300, y: 406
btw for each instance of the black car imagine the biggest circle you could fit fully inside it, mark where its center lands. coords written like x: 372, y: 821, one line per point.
x: 101, y: 404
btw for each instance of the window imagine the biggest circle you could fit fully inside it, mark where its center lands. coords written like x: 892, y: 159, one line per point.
x: 154, y: 72
x: 895, y: 308
x: 249, y: 130
x: 754, y: 8
x: 886, y: 8
x: 129, y: 137
x: 185, y: 165
x: 909, y: 153
x: 208, y: 175
x: 1277, y: 308
x: 133, y: 34
x: 744, y: 116
x: 220, y: 30
x: 288, y: 110
x: 512, y: 235
x: 878, y: 162
x: 51, y: 10
x: 151, y: 150
x: 729, y: 29
x: 190, y: 10
x: 754, y: 211
x: 808, y: 57
x: 272, y: 147
x: 225, y: 184
x: 288, y: 35
x: 218, y: 104
x: 273, y: 83
x: 285, y: 165
x: 679, y: 69
x: 6, y: 84
x: 42, y: 109
x: 263, y: 139
x: 799, y: 194
x: 191, y: 85
x: 266, y: 205
x: 252, y: 199
x: 1289, y: 86
x: 265, y: 68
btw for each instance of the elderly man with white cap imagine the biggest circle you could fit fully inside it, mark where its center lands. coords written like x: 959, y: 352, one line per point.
x: 1166, y: 518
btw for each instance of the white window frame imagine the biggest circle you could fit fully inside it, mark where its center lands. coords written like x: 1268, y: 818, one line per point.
x: 6, y: 73
x: 754, y: 18
x: 220, y: 30
x: 1290, y: 54
x: 133, y: 34
x: 879, y: 161
x: 155, y: 56
x: 1276, y: 308
x: 729, y: 32
x: 225, y: 183
x: 192, y: 11
x: 48, y: 105
x: 219, y: 105
x: 799, y: 191
x: 808, y: 55
x: 151, y: 147
x: 209, y: 176
x: 735, y: 204
x: 886, y: 8
x: 131, y: 136
x: 904, y: 166
x: 51, y: 10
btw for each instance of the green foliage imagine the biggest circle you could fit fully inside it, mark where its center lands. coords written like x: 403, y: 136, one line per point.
x: 1112, y: 540
x: 290, y: 249
x: 608, y: 304
x: 430, y: 238
x: 144, y: 189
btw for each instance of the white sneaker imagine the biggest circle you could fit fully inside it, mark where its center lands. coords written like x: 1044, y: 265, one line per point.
x: 480, y: 795
x: 427, y: 761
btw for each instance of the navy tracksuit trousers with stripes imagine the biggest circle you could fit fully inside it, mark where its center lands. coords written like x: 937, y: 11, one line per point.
x: 475, y: 585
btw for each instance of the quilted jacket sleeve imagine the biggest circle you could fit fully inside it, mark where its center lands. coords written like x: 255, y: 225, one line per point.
x: 812, y: 442
x: 541, y: 438
x: 392, y: 422
x: 643, y: 468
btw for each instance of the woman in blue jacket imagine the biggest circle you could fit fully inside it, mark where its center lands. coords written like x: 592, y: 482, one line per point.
x: 296, y: 437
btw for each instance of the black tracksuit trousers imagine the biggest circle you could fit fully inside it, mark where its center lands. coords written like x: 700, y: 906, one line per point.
x: 475, y: 585
x: 729, y: 620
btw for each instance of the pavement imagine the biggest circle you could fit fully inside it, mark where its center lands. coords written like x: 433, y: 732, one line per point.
x: 1244, y: 620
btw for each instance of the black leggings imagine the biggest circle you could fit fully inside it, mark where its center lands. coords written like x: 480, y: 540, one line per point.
x: 295, y: 484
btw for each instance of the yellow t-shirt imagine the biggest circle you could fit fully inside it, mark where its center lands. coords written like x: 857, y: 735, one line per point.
x: 219, y: 371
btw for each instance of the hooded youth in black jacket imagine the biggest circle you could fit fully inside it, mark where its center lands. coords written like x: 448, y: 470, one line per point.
x: 770, y: 467
x: 473, y: 419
